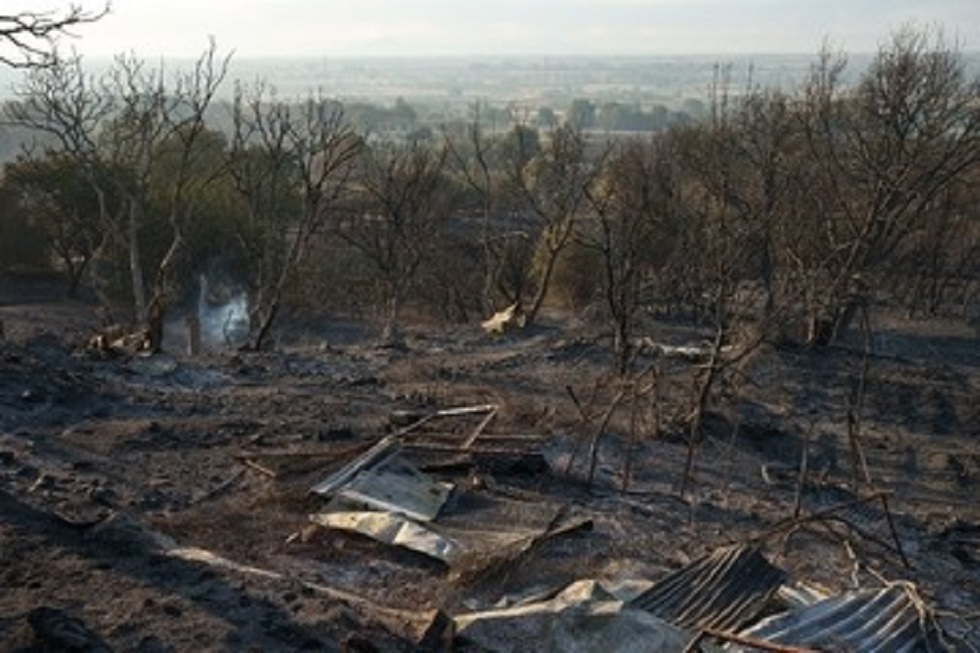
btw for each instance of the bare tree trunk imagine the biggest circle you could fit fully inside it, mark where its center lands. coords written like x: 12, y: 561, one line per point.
x: 136, y: 265
x: 537, y: 302
x: 706, y: 380
x: 389, y: 332
x: 491, y: 270
x: 622, y: 350
x: 76, y: 272
x: 265, y: 324
x: 156, y: 315
x: 845, y: 317
x: 544, y: 282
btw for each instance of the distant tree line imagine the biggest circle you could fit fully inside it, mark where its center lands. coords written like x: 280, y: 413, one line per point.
x: 631, y: 117
x: 791, y: 211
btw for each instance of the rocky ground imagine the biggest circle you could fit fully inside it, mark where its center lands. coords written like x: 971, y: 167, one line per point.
x: 162, y: 503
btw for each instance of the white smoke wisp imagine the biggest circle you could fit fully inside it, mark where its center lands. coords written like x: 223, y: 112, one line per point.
x: 224, y: 318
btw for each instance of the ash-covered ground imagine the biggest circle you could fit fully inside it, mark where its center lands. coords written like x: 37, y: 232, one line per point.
x: 111, y: 464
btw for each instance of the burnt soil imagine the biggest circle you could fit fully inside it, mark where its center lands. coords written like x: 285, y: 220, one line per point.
x: 110, y: 463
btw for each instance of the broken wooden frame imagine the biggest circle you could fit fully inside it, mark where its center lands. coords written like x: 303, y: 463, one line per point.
x: 381, y: 495
x: 492, y: 534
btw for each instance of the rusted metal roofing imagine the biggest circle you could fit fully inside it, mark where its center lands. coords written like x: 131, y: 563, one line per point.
x: 720, y: 591
x: 890, y: 620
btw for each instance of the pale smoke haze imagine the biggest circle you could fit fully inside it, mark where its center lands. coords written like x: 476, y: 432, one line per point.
x: 224, y: 320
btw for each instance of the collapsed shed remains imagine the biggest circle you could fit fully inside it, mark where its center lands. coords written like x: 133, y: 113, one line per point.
x: 733, y: 596
x: 383, y: 495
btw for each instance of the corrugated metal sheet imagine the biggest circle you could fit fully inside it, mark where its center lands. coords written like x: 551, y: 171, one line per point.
x: 720, y: 591
x: 891, y: 620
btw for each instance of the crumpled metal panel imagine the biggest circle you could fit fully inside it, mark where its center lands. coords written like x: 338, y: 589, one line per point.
x: 382, y: 479
x: 392, y: 529
x: 890, y: 620
x: 398, y: 486
x: 720, y: 591
x: 582, y: 618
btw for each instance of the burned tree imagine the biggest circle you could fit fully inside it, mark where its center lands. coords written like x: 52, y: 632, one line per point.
x: 632, y: 211
x: 549, y: 181
x: 53, y: 193
x: 474, y: 156
x: 117, y: 129
x: 936, y: 269
x: 62, y: 103
x: 402, y: 197
x: 881, y: 156
x: 292, y: 165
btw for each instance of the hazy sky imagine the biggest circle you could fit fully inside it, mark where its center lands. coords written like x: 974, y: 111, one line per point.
x: 434, y: 27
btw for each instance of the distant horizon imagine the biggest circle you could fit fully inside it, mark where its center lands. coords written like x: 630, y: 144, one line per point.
x: 428, y: 29
x: 534, y: 79
x: 497, y: 55
x: 720, y: 55
x: 712, y: 56
x: 297, y: 45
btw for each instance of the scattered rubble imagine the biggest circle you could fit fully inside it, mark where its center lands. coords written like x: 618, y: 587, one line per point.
x: 408, y: 507
x: 118, y: 340
x: 511, y: 318
x: 720, y: 597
